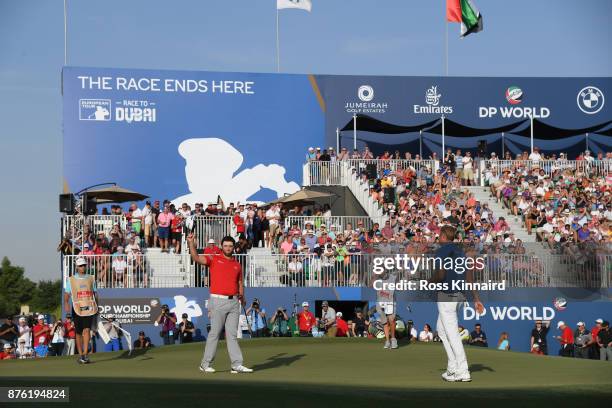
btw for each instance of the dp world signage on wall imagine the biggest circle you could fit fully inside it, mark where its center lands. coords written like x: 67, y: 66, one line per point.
x: 130, y: 310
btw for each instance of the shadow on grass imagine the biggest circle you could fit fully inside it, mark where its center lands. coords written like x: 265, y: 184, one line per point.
x: 278, y: 361
x: 474, y: 368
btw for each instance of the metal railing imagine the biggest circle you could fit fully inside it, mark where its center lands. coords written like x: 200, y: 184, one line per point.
x: 335, y: 172
x: 340, y: 223
x: 154, y: 270
x: 214, y: 227
x: 595, y: 167
x: 96, y: 223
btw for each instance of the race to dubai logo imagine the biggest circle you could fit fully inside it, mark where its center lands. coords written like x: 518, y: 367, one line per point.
x: 590, y: 100
x: 432, y: 99
x: 514, y: 95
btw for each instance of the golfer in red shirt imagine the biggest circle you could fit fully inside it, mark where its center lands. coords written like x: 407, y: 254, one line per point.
x: 226, y: 297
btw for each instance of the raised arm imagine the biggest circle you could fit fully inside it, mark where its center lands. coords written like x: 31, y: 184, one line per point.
x: 193, y: 251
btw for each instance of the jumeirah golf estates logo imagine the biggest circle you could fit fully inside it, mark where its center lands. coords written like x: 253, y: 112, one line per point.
x: 514, y: 95
x: 365, y: 93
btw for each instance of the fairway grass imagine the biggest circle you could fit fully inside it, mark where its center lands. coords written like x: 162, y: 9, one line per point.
x: 317, y: 372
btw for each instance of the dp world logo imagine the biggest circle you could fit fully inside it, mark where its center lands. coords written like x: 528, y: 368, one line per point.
x: 590, y: 100
x: 365, y: 93
x: 514, y: 95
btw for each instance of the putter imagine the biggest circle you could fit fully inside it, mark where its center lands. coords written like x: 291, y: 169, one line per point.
x: 247, y: 320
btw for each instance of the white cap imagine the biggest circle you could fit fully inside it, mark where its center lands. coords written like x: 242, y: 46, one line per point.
x: 339, y: 314
x: 22, y: 319
x: 41, y: 317
x: 304, y: 304
x: 580, y: 324
x: 81, y: 261
x: 211, y: 241
x: 8, y: 346
x: 600, y: 320
x: 561, y: 323
x: 310, y: 148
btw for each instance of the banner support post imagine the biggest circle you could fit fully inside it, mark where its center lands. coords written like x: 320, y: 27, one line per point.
x: 503, y: 147
x: 531, y: 132
x: 355, y: 131
x: 587, y: 140
x: 421, y: 144
x: 442, y: 137
x: 337, y: 139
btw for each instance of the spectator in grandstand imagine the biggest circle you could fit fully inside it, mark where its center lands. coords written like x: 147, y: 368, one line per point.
x: 327, y: 322
x: 503, y: 343
x: 186, y: 329
x: 9, y: 332
x: 167, y: 320
x: 538, y: 336
x: 426, y: 335
x: 273, y: 215
x: 566, y: 340
x: 468, y: 169
x: 256, y: 318
x: 163, y: 227
x: 119, y: 268
x: 41, y: 337
x: 478, y: 337
x: 280, y: 323
x: 176, y: 230
x: 142, y: 342
x: 342, y: 326
x: 69, y: 336
x: 582, y: 341
x: 305, y: 320
x: 604, y: 341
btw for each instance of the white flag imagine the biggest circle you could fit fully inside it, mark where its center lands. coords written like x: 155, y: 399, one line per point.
x: 297, y: 4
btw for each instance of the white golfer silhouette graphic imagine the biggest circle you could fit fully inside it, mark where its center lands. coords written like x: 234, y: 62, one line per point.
x: 100, y: 114
x: 211, y: 164
x: 182, y: 305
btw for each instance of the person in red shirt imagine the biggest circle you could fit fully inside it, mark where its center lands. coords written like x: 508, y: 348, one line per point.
x: 342, y: 325
x: 69, y: 335
x: 226, y: 297
x: 42, y: 336
x: 239, y: 222
x: 176, y: 232
x: 305, y: 320
x: 210, y: 249
x: 566, y: 340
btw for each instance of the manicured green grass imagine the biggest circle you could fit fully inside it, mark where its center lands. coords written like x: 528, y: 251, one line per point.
x: 317, y: 372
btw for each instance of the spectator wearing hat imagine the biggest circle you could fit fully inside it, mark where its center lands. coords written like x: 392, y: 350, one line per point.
x: 119, y: 268
x: 25, y: 332
x: 566, y: 340
x: 604, y: 341
x: 359, y: 325
x: 164, y: 221
x: 328, y: 320
x: 176, y: 230
x: 305, y: 320
x: 69, y: 336
x: 186, y: 329
x: 9, y: 332
x: 167, y: 321
x: 8, y: 352
x: 582, y: 341
x: 56, y: 346
x: 342, y: 326
x: 42, y: 337
x: 142, y: 342
x: 594, y: 332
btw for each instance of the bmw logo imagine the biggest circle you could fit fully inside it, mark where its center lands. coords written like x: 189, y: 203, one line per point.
x: 590, y: 100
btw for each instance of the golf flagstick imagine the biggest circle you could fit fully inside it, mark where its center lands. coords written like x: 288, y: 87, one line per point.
x: 128, y: 336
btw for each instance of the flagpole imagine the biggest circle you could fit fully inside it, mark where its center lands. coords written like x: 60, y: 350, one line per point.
x: 446, y: 49
x: 354, y: 131
x: 531, y: 132
x: 442, y: 137
x: 503, y: 146
x: 337, y: 139
x: 277, y: 44
x: 421, y: 144
x: 587, y: 141
x: 65, y: 35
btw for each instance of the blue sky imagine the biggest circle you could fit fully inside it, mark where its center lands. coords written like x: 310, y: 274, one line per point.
x: 385, y: 37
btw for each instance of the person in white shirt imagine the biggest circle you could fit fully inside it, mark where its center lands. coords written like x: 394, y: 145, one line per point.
x: 25, y: 332
x: 535, y: 156
x: 119, y: 266
x: 273, y: 217
x: 468, y: 169
x: 426, y: 335
x: 149, y: 219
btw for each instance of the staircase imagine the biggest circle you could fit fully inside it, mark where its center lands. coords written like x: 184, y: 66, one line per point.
x: 361, y: 191
x: 168, y: 269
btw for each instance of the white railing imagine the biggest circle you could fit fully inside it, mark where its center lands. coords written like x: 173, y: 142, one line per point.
x: 340, y: 223
x: 334, y: 172
x: 73, y: 224
x: 352, y: 270
x: 144, y: 270
x: 208, y: 227
x: 595, y: 167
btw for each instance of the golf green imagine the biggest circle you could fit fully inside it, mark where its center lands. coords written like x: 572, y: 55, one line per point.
x: 321, y: 372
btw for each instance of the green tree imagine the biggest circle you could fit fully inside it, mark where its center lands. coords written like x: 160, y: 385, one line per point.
x: 15, y: 288
x: 47, y: 296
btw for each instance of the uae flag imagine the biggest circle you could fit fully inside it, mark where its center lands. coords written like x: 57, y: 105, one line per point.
x: 466, y: 13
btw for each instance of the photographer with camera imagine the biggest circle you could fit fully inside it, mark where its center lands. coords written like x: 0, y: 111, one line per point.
x: 187, y: 329
x: 327, y: 322
x: 280, y: 323
x: 167, y: 320
x: 256, y: 319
